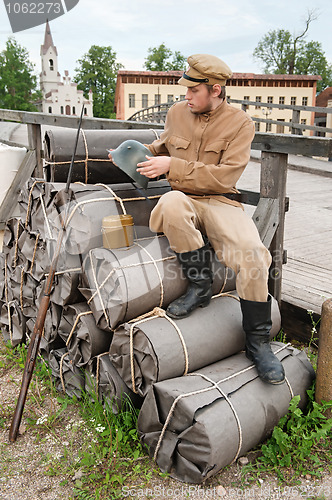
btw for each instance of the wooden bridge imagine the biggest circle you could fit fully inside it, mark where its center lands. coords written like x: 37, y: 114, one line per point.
x: 305, y: 281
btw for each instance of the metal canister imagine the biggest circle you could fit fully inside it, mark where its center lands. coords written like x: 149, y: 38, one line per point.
x: 118, y: 231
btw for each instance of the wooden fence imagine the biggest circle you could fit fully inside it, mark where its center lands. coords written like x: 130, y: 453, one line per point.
x: 158, y: 113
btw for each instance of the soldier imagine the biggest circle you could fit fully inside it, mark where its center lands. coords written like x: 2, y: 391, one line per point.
x: 203, y: 151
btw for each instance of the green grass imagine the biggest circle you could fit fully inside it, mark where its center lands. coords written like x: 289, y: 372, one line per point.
x: 109, y: 453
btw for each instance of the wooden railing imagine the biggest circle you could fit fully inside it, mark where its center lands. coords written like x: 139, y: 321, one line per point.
x: 158, y: 114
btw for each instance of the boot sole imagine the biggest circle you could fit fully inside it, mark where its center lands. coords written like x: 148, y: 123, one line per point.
x: 272, y: 382
x: 174, y: 316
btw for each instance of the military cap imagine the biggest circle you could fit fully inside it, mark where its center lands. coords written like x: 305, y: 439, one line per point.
x: 204, y: 68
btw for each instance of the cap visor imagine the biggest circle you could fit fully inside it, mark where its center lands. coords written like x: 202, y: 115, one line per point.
x: 187, y: 83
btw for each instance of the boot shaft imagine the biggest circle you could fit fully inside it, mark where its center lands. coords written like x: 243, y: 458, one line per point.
x: 196, y: 264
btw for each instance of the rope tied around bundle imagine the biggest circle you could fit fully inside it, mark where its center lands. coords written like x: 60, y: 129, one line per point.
x: 99, y: 287
x: 77, y: 319
x: 157, y: 312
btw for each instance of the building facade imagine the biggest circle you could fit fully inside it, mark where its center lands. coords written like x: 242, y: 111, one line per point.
x: 140, y: 89
x: 60, y: 96
x: 324, y: 100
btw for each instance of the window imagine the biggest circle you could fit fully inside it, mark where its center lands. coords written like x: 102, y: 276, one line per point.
x: 246, y: 98
x: 282, y: 100
x: 50, y: 109
x: 74, y: 110
x: 270, y: 99
x: 304, y: 101
x: 61, y: 110
x: 51, y: 64
x: 157, y: 99
x: 268, y: 127
x: 131, y: 100
x: 257, y: 126
x: 303, y: 121
x: 170, y: 98
x: 293, y: 101
x: 145, y: 100
x: 258, y: 99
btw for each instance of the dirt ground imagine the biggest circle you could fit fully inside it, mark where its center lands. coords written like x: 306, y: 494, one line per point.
x: 26, y: 464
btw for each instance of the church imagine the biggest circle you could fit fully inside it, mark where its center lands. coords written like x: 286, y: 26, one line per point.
x: 60, y: 97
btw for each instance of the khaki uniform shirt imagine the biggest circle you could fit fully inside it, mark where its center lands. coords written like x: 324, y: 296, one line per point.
x: 208, y: 151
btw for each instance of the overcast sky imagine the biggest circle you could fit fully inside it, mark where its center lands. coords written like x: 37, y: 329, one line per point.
x: 230, y: 30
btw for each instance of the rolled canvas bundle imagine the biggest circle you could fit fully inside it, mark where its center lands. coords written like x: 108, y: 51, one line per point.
x: 84, y: 340
x: 157, y: 347
x: 92, y: 164
x: 51, y: 338
x: 91, y: 204
x: 197, y: 424
x: 121, y: 284
x: 68, y: 378
x: 14, y: 323
x: 105, y: 383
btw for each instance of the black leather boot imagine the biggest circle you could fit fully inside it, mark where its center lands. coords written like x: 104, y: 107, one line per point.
x: 257, y: 325
x: 196, y: 266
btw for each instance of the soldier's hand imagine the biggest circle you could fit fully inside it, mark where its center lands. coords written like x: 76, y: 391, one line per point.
x: 154, y: 166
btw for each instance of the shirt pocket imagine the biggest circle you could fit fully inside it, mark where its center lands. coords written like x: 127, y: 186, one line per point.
x: 179, y: 142
x: 213, y: 151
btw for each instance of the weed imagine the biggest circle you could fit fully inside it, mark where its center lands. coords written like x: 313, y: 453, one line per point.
x: 313, y: 340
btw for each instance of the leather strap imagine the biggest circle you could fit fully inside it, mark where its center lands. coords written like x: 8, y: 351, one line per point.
x: 230, y: 196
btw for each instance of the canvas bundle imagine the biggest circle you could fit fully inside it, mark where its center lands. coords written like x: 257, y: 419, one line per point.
x: 197, y: 424
x: 92, y: 164
x: 104, y: 383
x: 157, y: 347
x: 82, y: 337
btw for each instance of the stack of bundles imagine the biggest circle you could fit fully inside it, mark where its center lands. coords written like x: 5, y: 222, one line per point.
x: 107, y: 332
x: 124, y: 283
x: 92, y: 164
x: 197, y: 424
x: 29, y: 244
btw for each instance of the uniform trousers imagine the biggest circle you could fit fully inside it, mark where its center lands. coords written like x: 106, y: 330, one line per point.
x: 231, y: 232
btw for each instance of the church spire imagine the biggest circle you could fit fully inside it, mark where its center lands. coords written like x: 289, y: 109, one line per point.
x: 48, y: 40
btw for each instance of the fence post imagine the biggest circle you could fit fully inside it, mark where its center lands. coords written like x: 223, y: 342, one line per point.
x: 324, y: 363
x: 34, y: 138
x: 273, y: 185
x: 296, y: 119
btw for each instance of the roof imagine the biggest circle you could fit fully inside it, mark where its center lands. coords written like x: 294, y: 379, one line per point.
x: 48, y: 40
x: 236, y: 76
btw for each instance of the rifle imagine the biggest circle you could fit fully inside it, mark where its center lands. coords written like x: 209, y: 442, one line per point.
x: 41, y: 315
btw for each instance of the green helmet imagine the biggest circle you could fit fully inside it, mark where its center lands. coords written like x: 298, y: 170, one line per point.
x: 127, y: 155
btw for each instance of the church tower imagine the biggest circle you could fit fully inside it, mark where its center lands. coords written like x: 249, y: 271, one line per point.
x: 50, y: 76
x: 60, y: 96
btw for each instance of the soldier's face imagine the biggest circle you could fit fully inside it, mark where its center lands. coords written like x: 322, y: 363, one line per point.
x: 199, y: 99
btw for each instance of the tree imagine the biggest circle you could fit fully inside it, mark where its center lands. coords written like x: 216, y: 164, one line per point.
x: 159, y: 59
x: 98, y: 71
x: 18, y: 84
x: 284, y: 53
